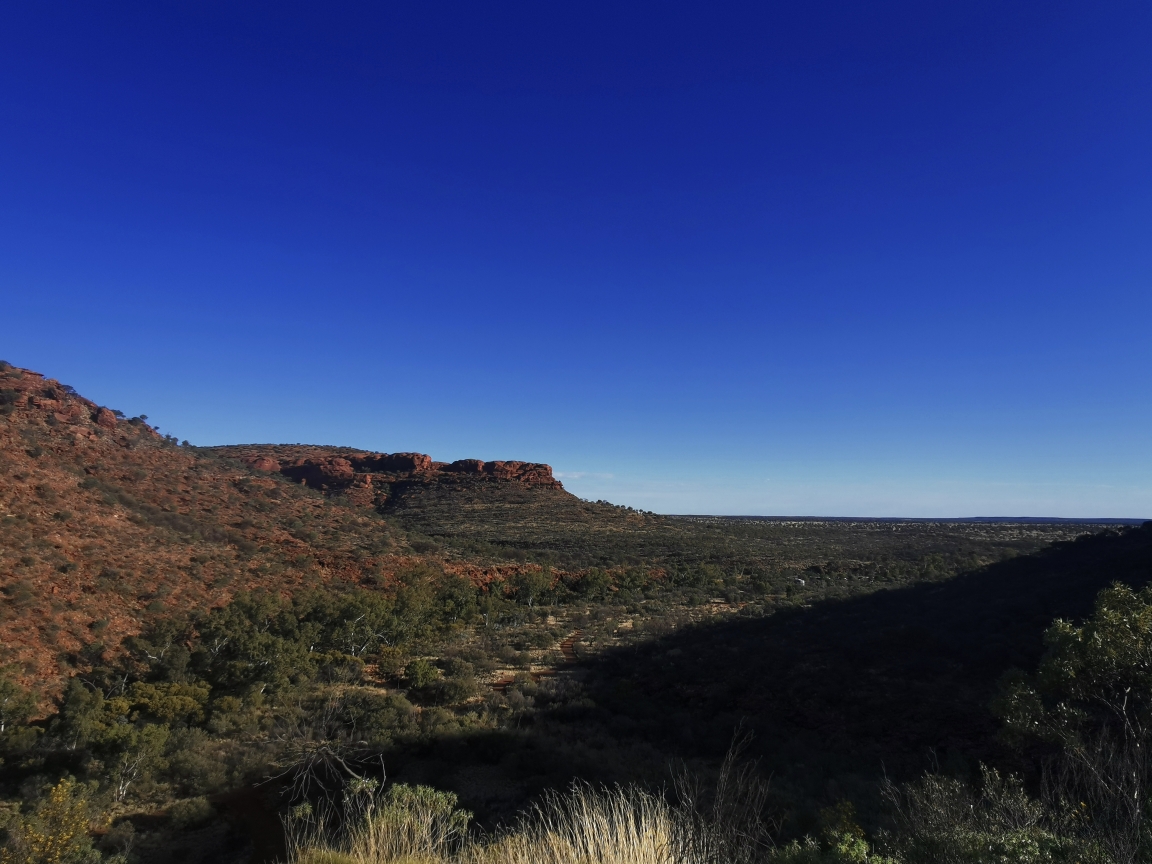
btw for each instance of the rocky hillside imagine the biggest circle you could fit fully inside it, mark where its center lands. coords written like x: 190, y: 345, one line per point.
x: 106, y: 522
x: 473, y: 510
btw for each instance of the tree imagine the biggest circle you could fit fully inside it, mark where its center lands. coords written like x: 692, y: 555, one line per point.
x: 135, y: 753
x: 490, y: 606
x: 594, y: 585
x: 529, y: 586
x: 455, y: 600
x: 81, y: 718
x: 1094, y: 677
x: 256, y: 639
x: 17, y: 706
x: 414, y: 606
x: 420, y: 674
x: 356, y: 623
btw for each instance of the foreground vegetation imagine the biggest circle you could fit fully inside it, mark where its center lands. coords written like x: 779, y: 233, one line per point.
x: 935, y: 821
x: 305, y: 701
x: 1091, y: 700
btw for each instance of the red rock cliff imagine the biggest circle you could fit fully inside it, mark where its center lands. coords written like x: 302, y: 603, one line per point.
x: 320, y: 468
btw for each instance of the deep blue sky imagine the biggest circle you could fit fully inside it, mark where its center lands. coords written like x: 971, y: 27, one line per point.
x: 783, y: 258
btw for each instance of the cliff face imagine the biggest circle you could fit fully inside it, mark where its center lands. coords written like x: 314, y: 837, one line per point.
x: 335, y: 468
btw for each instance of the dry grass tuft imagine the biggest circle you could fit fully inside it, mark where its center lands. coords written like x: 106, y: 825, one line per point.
x: 616, y: 826
x: 422, y: 826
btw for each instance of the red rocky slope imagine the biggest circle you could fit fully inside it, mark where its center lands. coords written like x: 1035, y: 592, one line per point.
x: 105, y: 523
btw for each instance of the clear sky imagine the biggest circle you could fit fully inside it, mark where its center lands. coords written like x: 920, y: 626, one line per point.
x: 804, y: 258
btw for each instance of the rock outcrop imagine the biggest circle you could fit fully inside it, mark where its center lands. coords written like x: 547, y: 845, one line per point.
x: 319, y: 473
x: 529, y: 473
x: 59, y: 405
x: 322, y: 468
x: 105, y: 418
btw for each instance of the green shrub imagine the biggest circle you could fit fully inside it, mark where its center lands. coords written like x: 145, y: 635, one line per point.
x: 190, y: 813
x: 941, y: 820
x: 377, y: 717
x: 420, y: 674
x: 1092, y: 696
x: 391, y: 662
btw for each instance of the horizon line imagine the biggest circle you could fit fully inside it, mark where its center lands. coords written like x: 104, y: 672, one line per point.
x: 1081, y: 520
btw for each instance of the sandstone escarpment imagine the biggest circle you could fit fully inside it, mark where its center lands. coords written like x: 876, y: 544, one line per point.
x: 333, y: 468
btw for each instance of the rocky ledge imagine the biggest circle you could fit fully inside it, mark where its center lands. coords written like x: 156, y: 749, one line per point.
x: 331, y: 468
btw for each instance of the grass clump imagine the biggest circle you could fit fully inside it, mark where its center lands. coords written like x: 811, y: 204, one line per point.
x: 419, y: 825
x: 407, y: 824
x: 585, y: 825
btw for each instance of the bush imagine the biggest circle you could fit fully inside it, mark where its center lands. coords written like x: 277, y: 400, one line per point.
x: 450, y: 691
x: 56, y: 832
x: 404, y: 824
x: 342, y: 669
x: 941, y: 820
x: 190, y: 812
x: 194, y: 765
x: 615, y: 826
x: 391, y: 662
x: 378, y: 717
x: 420, y: 674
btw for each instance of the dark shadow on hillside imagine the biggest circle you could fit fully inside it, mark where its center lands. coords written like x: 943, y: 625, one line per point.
x: 838, y: 694
x: 868, y: 684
